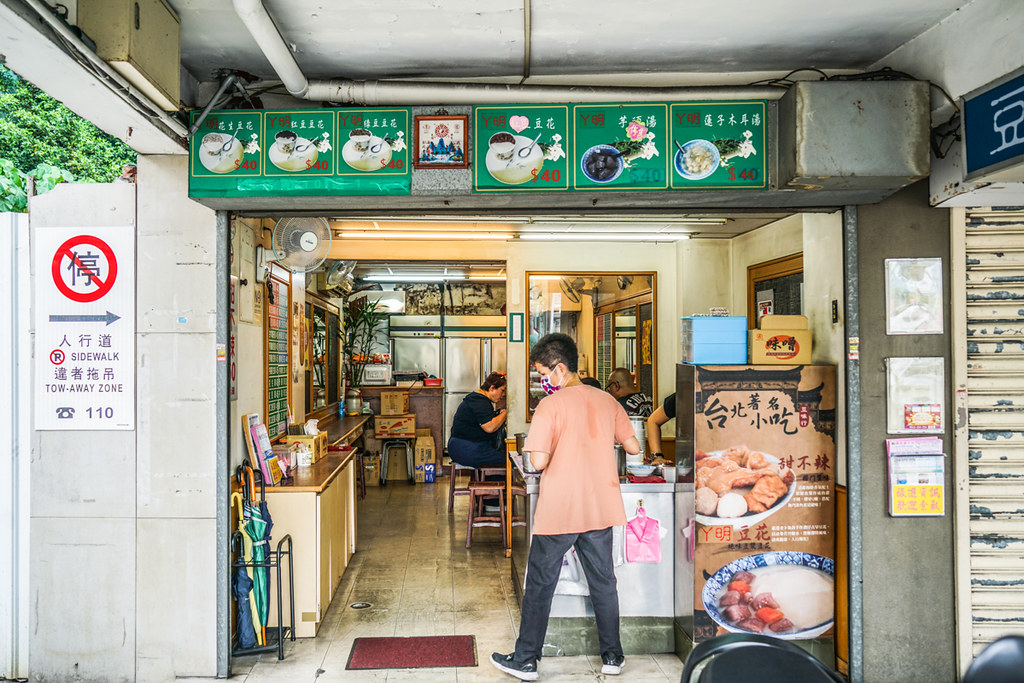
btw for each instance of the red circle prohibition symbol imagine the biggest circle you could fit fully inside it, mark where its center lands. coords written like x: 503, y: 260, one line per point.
x: 56, y: 356
x: 102, y: 284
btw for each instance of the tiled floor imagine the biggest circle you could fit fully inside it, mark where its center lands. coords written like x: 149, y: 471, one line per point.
x: 412, y: 565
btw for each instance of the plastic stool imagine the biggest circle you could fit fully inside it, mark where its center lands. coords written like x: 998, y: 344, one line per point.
x: 386, y: 451
x: 477, y: 491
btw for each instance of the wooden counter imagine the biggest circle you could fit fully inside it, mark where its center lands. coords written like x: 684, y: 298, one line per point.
x: 317, y: 507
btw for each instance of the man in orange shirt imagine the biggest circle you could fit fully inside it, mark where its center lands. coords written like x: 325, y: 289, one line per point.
x: 571, y: 441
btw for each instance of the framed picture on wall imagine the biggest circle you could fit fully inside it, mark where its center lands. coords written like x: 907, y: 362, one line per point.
x: 441, y: 141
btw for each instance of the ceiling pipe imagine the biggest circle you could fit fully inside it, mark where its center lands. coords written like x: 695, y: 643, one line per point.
x: 264, y: 31
x: 405, y: 93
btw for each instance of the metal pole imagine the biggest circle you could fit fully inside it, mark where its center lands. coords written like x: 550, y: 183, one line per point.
x: 225, y: 84
x: 853, y: 456
x: 223, y: 454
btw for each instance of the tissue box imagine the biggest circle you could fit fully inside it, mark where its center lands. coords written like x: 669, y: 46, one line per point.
x: 394, y: 402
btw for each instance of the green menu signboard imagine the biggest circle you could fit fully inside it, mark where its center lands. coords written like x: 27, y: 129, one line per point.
x: 620, y: 146
x: 373, y: 141
x: 316, y: 152
x: 718, y: 145
x: 299, y: 143
x: 521, y: 148
x: 227, y: 146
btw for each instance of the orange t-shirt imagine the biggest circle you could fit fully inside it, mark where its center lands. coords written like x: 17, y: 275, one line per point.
x: 579, y: 489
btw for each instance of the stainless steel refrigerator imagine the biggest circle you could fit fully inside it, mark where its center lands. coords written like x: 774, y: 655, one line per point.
x: 416, y: 344
x: 473, y: 347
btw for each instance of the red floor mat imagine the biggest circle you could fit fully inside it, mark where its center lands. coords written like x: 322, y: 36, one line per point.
x: 412, y: 653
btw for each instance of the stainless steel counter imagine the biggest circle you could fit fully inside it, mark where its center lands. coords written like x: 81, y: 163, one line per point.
x: 645, y: 588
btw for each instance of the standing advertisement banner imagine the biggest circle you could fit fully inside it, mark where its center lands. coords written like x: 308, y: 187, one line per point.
x: 85, y: 328
x: 765, y: 505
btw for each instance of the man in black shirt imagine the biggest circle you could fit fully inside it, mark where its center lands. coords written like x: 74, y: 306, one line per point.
x: 636, y: 403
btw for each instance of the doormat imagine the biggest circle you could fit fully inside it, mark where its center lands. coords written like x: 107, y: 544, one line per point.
x: 412, y: 653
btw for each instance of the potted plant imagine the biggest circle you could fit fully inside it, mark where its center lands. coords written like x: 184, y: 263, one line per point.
x: 362, y: 320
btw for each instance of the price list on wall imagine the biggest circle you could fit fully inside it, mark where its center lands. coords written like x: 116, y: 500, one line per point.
x: 520, y: 148
x: 277, y: 359
x: 717, y: 145
x: 620, y: 146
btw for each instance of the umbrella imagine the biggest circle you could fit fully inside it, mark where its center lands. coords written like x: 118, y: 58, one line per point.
x: 241, y: 586
x: 255, y: 530
x: 247, y: 554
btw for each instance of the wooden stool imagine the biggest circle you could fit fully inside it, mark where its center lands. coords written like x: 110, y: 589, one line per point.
x: 517, y: 492
x: 478, y: 490
x: 453, y: 490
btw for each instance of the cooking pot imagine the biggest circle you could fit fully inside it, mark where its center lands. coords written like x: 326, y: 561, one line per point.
x: 520, y: 440
x: 620, y: 460
x: 639, y: 425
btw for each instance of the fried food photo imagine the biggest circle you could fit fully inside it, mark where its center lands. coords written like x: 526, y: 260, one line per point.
x: 738, y: 481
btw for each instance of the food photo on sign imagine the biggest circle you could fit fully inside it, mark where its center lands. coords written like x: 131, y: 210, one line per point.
x: 764, y: 500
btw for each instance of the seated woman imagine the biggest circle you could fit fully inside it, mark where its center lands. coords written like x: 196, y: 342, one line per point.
x: 474, y: 439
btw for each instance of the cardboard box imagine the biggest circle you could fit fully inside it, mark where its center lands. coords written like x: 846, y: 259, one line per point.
x: 780, y: 347
x: 428, y: 473
x: 394, y: 426
x: 316, y: 444
x: 423, y: 454
x: 398, y: 464
x: 371, y: 469
x: 394, y: 402
x: 782, y: 322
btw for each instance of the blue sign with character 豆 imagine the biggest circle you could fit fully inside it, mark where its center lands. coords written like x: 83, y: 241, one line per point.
x: 994, y: 125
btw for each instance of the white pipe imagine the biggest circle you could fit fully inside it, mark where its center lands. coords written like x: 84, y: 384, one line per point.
x: 46, y: 14
x: 264, y: 31
x: 377, y: 93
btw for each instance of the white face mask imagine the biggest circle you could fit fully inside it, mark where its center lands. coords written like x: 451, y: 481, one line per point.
x: 547, y: 385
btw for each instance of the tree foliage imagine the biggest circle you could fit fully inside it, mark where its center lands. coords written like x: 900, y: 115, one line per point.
x: 39, y: 136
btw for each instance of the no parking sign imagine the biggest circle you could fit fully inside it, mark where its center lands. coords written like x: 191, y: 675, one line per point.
x: 85, y: 328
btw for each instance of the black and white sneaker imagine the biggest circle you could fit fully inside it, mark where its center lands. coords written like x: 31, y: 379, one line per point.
x: 524, y: 671
x: 612, y: 663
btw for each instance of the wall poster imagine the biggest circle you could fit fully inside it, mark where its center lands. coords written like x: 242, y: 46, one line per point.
x: 765, y: 510
x: 913, y: 296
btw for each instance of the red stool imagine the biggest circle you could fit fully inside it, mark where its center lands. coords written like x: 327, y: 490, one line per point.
x: 478, y: 490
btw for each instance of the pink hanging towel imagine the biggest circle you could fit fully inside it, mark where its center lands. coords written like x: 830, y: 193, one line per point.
x: 643, y: 538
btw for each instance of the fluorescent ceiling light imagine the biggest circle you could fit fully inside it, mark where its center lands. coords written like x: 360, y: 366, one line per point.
x: 426, y: 235
x: 487, y: 277
x: 605, y: 236
x: 413, y: 277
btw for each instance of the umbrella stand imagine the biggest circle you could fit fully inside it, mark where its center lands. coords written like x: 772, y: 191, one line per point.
x: 253, y: 535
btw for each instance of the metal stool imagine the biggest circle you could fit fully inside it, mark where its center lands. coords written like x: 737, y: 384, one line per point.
x: 478, y: 490
x: 386, y: 450
x: 453, y: 490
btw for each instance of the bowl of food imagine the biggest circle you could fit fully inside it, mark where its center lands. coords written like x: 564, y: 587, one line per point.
x: 364, y: 151
x: 220, y: 153
x: 602, y: 163
x: 740, y: 487
x: 697, y: 159
x: 640, y: 470
x: 516, y: 165
x: 789, y: 595
x: 292, y: 153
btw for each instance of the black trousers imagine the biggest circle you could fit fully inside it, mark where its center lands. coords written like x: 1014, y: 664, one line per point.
x: 594, y: 549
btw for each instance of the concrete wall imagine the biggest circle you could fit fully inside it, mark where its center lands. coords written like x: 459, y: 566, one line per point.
x: 123, y: 524
x: 908, y: 582
x: 782, y: 238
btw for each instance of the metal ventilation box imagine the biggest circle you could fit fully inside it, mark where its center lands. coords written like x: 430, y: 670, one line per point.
x: 141, y: 41
x: 853, y: 135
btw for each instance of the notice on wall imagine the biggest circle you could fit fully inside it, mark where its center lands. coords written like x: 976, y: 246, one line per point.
x: 85, y: 328
x: 718, y: 145
x: 917, y: 477
x: 620, y: 146
x: 765, y: 505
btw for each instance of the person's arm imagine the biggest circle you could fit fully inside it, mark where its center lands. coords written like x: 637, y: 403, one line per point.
x: 494, y: 424
x: 539, y: 459
x: 654, y: 422
x: 632, y: 445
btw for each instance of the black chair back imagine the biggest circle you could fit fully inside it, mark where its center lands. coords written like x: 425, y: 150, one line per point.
x: 754, y: 658
x: 1002, y: 661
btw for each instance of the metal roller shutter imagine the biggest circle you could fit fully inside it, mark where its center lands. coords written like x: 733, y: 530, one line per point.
x: 988, y: 280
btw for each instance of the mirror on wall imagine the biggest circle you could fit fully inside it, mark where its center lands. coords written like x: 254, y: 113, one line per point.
x: 611, y: 316
x: 322, y: 363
